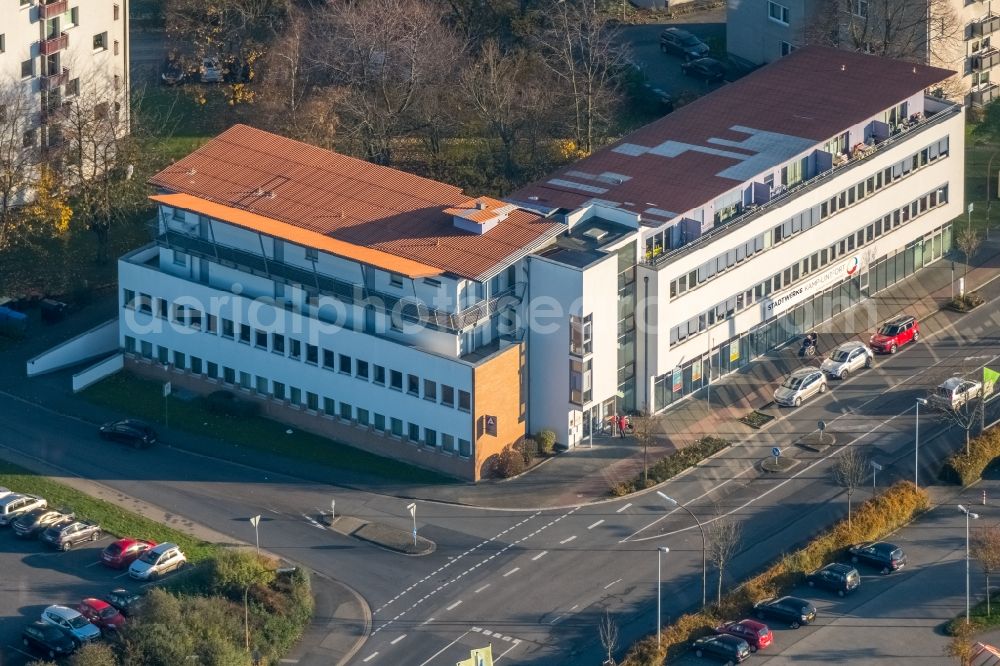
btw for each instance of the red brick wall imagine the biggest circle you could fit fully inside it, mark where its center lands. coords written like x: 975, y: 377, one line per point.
x: 497, y: 392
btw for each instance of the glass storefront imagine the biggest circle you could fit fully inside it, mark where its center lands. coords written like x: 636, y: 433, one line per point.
x: 733, y: 354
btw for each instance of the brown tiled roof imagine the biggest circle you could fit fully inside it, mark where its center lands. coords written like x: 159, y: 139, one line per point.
x: 347, y: 199
x: 809, y: 96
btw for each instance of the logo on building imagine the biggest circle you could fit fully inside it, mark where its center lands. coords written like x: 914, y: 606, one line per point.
x: 853, y: 265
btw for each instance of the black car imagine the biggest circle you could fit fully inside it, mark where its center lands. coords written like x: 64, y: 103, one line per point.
x: 839, y: 578
x: 47, y: 639
x: 127, y: 602
x: 885, y: 557
x: 173, y: 73
x: 708, y: 69
x: 682, y: 43
x: 129, y: 431
x: 67, y: 535
x: 722, y: 646
x: 32, y: 523
x: 791, y: 610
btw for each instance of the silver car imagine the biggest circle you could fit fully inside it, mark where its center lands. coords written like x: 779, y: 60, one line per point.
x: 846, y: 358
x: 800, y: 385
x: 13, y: 505
x: 955, y: 392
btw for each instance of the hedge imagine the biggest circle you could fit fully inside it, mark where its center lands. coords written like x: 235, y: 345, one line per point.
x: 873, y: 520
x: 673, y: 464
x: 965, y: 468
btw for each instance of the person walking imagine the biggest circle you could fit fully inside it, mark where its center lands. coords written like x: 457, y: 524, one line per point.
x: 621, y: 425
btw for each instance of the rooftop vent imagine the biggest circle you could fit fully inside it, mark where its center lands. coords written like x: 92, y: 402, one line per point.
x: 479, y: 215
x: 596, y: 233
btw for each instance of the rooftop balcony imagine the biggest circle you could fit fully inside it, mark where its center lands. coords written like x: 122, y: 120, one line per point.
x: 985, y: 60
x: 984, y: 93
x: 985, y: 25
x: 54, y: 44
x: 52, y: 9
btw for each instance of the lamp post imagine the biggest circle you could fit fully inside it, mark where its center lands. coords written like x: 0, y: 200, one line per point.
x: 916, y: 444
x: 255, y: 521
x: 704, y: 544
x: 659, y: 581
x: 968, y: 515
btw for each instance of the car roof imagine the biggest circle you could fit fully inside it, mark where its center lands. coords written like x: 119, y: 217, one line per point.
x: 166, y: 545
x: 951, y: 383
x: 900, y: 319
x: 7, y: 499
x: 680, y: 32
x: 849, y: 345
x: 884, y: 546
x: 62, y: 611
x: 753, y: 624
x: 97, y: 604
x: 804, y: 372
x: 725, y: 638
x: 837, y: 566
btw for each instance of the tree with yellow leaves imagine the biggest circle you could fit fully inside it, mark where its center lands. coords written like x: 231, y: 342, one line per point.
x: 48, y: 214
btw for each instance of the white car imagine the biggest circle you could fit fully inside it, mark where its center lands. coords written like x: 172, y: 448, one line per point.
x: 14, y: 504
x: 157, y: 561
x: 846, y: 358
x: 211, y: 70
x: 952, y: 393
x: 801, y: 384
x: 72, y: 622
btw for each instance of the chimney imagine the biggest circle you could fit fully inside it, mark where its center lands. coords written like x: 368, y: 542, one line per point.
x: 480, y: 205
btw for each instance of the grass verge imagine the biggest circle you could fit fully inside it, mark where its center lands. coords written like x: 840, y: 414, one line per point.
x: 112, y: 519
x: 671, y: 465
x: 144, y: 399
x: 873, y: 520
x: 965, y: 468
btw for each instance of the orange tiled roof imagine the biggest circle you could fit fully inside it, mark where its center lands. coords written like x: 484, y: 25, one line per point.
x: 349, y: 200
x: 254, y: 222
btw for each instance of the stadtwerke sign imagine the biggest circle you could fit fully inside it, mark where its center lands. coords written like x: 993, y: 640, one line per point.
x: 778, y: 303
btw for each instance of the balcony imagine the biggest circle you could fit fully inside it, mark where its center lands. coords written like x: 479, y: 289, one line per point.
x: 54, y: 81
x: 986, y: 25
x: 985, y: 60
x: 983, y: 94
x: 50, y: 10
x: 54, y: 45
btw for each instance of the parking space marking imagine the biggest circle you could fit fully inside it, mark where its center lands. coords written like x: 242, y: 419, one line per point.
x: 20, y: 651
x: 612, y: 583
x: 590, y: 527
x: 482, y: 588
x: 624, y: 507
x: 397, y: 639
x: 567, y: 540
x: 514, y: 644
x: 539, y: 556
x: 370, y: 657
x: 512, y: 571
x: 454, y: 605
x: 92, y: 564
x: 444, y: 649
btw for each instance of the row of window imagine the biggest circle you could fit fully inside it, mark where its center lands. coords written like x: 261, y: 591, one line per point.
x: 295, y: 349
x: 810, y: 217
x: 799, y: 270
x: 414, y: 432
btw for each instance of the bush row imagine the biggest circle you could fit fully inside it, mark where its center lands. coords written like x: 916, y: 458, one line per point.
x: 673, y: 464
x: 873, y: 520
x: 965, y: 468
x: 517, y: 457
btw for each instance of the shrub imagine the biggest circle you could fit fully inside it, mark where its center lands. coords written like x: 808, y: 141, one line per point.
x: 873, y: 520
x: 509, y: 462
x: 673, y: 464
x: 546, y: 441
x: 528, y: 448
x: 227, y: 404
x: 234, y: 570
x: 965, y: 468
x: 622, y: 488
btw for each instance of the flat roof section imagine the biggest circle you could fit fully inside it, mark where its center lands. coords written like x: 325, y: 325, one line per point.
x: 349, y: 200
x: 705, y: 149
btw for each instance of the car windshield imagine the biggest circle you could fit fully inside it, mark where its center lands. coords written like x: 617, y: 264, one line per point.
x: 690, y: 40
x: 889, y: 330
x: 78, y: 622
x: 793, y: 383
x: 108, y: 612
x: 114, y: 549
x: 149, y: 556
x: 840, y: 355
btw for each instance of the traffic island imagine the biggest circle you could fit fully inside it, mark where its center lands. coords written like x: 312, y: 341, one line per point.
x: 383, y: 536
x: 818, y: 441
x: 757, y: 419
x: 774, y: 465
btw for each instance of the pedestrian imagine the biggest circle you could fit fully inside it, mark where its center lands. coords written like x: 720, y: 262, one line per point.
x: 621, y: 425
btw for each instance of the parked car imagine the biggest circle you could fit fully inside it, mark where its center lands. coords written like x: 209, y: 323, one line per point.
x: 72, y: 622
x: 885, y: 557
x: 895, y: 333
x: 173, y: 73
x: 127, y: 602
x: 67, y: 535
x: 211, y: 70
x: 708, y: 69
x: 14, y: 505
x: 839, y: 578
x: 129, y: 431
x: 792, y: 610
x: 99, y: 612
x: 47, y: 639
x: 124, y: 552
x: 953, y: 393
x: 157, y: 561
x: 34, y: 522
x: 801, y: 384
x: 846, y: 358
x: 728, y: 648
x: 757, y: 634
x: 682, y: 43
x: 5, y: 491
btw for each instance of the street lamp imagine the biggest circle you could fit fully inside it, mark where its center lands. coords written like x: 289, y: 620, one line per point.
x: 659, y: 581
x: 916, y: 444
x: 968, y: 515
x: 704, y: 544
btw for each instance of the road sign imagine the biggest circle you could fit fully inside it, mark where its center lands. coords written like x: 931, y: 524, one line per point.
x: 876, y: 466
x: 255, y: 520
x: 775, y: 451
x: 821, y: 425
x: 333, y: 509
x: 166, y: 389
x: 412, y: 506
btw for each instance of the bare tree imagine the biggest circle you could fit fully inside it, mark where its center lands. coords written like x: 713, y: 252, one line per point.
x: 985, y: 547
x: 582, y: 49
x: 850, y: 472
x: 643, y: 430
x: 608, y: 633
x: 723, y: 541
x: 18, y: 157
x: 968, y: 241
x: 964, y: 416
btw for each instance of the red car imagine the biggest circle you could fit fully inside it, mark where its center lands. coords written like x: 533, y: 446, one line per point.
x: 123, y: 552
x: 101, y: 613
x: 757, y: 634
x: 895, y: 333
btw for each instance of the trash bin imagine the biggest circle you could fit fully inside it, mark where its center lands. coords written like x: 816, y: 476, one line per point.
x: 52, y: 310
x: 12, y: 322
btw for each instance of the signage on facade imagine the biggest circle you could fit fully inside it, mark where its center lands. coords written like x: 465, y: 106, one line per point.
x: 696, y: 371
x: 678, y: 380
x: 491, y: 425
x: 734, y: 352
x: 779, y: 303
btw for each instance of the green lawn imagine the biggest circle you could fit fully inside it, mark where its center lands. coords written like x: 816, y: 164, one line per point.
x: 144, y: 399
x: 112, y: 518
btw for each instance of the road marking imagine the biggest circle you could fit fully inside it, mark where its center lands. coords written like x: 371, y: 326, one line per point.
x: 539, y: 556
x: 26, y: 654
x: 556, y: 619
x: 370, y: 657
x: 512, y: 571
x: 514, y: 644
x: 427, y: 621
x: 590, y: 527
x: 397, y: 639
x: 487, y: 632
x: 92, y: 564
x: 442, y: 650
x: 612, y: 583
x: 482, y: 588
x: 567, y: 540
x: 454, y: 605
x: 624, y: 507
x: 312, y: 521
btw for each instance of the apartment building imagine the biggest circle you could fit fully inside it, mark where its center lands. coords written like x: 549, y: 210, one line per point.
x: 50, y: 48
x: 739, y: 221
x: 404, y: 317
